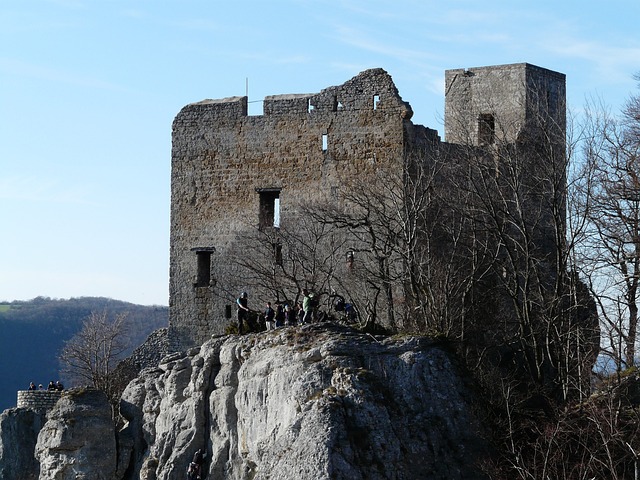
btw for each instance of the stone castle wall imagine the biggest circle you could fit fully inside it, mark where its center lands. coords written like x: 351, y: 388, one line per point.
x: 38, y: 400
x: 304, y: 148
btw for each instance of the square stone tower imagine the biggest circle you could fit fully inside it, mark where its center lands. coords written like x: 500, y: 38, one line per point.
x: 488, y: 105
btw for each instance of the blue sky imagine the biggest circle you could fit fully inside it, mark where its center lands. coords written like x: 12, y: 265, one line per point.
x: 89, y: 88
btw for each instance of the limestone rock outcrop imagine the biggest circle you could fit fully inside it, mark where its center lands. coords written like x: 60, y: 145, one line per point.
x: 319, y: 402
x: 78, y: 441
x: 312, y: 402
x: 19, y: 429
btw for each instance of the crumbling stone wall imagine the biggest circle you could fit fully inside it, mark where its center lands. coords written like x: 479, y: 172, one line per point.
x: 302, y: 149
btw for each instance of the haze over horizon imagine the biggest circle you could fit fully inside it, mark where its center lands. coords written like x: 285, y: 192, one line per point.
x: 90, y: 90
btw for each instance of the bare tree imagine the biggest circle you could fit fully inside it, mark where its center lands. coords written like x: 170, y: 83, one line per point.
x: 405, y: 244
x: 277, y: 263
x: 596, y: 437
x: 514, y: 193
x: 91, y: 355
x: 365, y: 220
x: 367, y: 246
x: 610, y: 255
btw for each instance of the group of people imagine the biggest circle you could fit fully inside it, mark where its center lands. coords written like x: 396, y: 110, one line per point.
x: 283, y: 315
x: 52, y: 386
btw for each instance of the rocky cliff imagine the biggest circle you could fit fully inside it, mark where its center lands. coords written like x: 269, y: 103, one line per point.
x: 18, y: 434
x: 317, y: 402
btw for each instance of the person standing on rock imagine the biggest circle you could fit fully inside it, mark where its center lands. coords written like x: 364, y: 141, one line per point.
x: 299, y: 313
x: 280, y: 320
x: 269, y: 317
x: 195, y: 467
x: 307, y: 305
x: 243, y: 311
x: 288, y: 316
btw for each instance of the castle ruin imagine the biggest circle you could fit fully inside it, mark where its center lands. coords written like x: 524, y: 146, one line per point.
x: 233, y: 173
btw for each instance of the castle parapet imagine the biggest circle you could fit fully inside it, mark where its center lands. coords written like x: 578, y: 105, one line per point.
x: 287, y: 104
x: 214, y: 110
x: 39, y: 400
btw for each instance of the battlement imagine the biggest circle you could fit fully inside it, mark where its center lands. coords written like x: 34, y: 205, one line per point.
x: 288, y: 104
x: 38, y: 400
x: 371, y: 90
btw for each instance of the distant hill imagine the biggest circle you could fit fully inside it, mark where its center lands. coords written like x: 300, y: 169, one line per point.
x: 33, y: 332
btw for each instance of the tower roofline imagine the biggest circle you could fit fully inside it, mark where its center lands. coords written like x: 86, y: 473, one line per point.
x: 508, y: 66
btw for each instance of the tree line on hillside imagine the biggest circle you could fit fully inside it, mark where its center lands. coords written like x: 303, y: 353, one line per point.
x: 66, y: 315
x: 34, y: 333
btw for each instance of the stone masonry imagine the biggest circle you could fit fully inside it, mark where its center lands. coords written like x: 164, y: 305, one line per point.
x: 226, y: 163
x: 38, y: 400
x: 503, y: 94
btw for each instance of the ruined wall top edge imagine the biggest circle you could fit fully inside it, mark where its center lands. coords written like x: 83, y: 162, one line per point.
x: 209, y: 101
x: 511, y: 66
x: 355, y: 94
x: 290, y: 96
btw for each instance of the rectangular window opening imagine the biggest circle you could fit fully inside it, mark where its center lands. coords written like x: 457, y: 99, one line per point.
x: 277, y: 253
x: 269, y: 208
x: 310, y: 106
x: 486, y: 129
x: 376, y: 101
x: 276, y: 213
x: 325, y: 142
x: 203, y: 260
